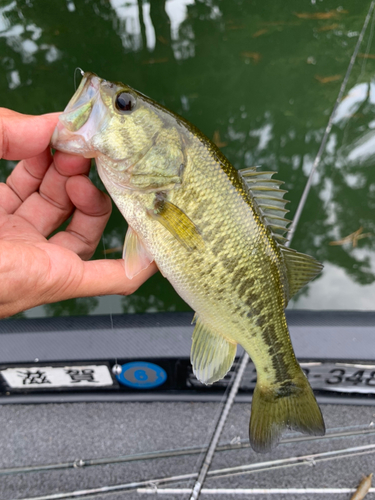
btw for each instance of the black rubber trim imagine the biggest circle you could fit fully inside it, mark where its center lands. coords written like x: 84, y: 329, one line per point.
x: 178, y: 397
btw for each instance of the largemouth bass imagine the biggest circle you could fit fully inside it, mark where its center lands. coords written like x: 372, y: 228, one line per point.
x: 214, y: 232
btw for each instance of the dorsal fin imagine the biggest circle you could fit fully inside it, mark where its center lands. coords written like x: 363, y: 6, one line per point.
x: 300, y: 269
x: 269, y: 199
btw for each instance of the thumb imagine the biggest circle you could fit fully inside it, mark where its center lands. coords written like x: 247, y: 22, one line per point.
x: 107, y: 277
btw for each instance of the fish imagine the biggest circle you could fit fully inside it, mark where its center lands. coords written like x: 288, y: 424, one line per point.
x: 216, y: 233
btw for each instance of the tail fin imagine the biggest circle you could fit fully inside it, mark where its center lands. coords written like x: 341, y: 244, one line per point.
x: 290, y: 404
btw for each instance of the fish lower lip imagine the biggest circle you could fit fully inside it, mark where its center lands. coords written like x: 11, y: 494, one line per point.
x: 77, y: 146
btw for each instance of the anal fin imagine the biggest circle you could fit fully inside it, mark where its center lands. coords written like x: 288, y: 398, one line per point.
x: 134, y: 254
x: 211, y: 354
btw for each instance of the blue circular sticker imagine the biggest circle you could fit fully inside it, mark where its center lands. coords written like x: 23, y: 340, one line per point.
x: 141, y: 375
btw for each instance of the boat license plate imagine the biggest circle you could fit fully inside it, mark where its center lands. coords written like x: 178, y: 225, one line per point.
x: 324, y: 376
x: 48, y: 377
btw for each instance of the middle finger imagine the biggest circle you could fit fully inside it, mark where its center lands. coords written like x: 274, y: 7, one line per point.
x: 51, y: 206
x: 25, y: 179
x: 47, y: 209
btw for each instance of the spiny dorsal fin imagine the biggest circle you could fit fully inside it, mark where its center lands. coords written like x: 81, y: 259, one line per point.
x: 300, y: 268
x: 269, y: 198
x: 211, y: 354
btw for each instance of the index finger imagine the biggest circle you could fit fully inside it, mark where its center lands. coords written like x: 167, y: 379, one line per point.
x: 24, y: 136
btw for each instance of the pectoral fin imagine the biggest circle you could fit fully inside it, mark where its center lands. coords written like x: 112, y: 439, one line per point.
x: 211, y: 354
x: 178, y: 224
x: 135, y: 255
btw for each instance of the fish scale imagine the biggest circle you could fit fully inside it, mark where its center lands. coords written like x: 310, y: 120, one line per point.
x: 214, y: 233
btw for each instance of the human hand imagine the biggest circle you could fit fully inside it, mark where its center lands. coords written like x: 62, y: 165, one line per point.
x: 41, y: 193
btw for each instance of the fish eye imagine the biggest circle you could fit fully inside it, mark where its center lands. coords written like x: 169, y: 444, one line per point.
x: 125, y: 102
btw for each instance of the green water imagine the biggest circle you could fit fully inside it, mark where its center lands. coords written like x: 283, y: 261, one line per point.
x: 262, y: 76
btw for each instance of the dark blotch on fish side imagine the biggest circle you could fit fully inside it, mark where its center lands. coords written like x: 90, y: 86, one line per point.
x: 286, y: 389
x: 240, y: 274
x: 277, y: 355
x: 229, y: 263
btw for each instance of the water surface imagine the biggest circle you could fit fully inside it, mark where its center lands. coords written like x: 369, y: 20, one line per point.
x: 261, y: 78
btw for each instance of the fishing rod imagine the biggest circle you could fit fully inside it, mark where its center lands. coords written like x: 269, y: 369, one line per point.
x: 152, y: 484
x: 154, y: 455
x: 245, y: 358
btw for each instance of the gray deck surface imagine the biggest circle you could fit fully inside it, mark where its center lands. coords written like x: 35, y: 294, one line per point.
x: 39, y: 434
x: 315, y: 335
x: 51, y: 433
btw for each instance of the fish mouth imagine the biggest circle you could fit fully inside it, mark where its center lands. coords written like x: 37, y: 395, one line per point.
x: 83, y: 120
x: 84, y: 116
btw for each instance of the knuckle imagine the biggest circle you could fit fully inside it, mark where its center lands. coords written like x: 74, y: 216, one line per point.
x: 87, y: 254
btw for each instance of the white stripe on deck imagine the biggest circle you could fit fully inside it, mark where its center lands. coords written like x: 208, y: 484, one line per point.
x: 250, y: 491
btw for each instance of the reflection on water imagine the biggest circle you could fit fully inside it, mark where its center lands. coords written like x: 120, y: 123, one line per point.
x: 346, y: 187
x: 259, y: 79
